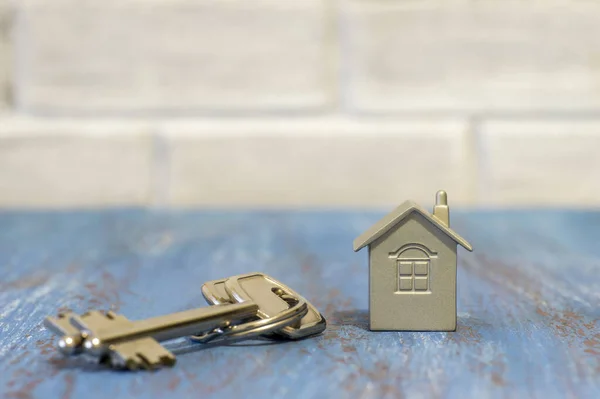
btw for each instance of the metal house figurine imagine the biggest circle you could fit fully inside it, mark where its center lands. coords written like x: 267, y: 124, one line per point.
x: 412, y: 268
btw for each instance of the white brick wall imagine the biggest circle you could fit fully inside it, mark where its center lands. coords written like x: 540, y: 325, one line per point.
x: 548, y: 162
x: 5, y: 25
x: 73, y: 163
x: 178, y: 55
x: 466, y: 56
x: 299, y: 103
x: 316, y: 163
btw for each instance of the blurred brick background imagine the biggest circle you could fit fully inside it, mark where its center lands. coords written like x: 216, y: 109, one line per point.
x: 299, y: 103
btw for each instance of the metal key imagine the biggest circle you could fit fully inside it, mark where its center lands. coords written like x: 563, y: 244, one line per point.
x: 241, y: 288
x: 133, y: 344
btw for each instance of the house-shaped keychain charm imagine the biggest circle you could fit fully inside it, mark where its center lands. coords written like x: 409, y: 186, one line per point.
x: 412, y: 268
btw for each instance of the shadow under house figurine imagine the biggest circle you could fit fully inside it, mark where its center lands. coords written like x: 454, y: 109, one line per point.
x: 412, y: 268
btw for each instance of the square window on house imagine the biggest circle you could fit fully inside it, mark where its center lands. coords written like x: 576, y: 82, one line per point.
x: 405, y: 268
x: 406, y: 284
x: 421, y: 268
x: 421, y: 284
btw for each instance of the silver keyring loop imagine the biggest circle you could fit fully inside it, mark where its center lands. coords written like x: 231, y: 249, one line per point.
x: 254, y: 328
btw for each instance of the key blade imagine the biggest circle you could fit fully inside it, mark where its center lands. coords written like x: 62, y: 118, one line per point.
x: 179, y: 324
x: 61, y: 325
x: 143, y: 353
x: 95, y: 321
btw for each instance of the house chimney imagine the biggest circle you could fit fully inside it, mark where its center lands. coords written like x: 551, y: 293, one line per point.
x: 441, y: 209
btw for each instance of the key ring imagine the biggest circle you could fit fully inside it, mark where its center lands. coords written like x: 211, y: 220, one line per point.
x: 258, y: 327
x: 253, y: 328
x: 216, y: 293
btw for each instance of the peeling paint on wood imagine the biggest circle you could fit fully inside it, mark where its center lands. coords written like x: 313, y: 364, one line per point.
x: 528, y: 314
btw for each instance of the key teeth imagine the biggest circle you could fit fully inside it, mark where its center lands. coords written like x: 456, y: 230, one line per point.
x: 61, y: 324
x: 131, y: 365
x: 141, y: 354
x: 141, y: 362
x: 168, y: 360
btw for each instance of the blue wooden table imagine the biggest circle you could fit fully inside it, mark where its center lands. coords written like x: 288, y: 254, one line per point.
x: 528, y: 305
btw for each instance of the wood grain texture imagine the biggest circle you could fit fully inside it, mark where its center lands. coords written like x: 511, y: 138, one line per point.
x: 528, y: 320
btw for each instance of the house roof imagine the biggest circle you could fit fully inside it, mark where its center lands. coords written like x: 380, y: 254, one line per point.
x: 399, y: 214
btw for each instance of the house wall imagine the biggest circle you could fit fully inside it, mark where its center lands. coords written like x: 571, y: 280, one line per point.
x: 299, y: 103
x: 407, y: 311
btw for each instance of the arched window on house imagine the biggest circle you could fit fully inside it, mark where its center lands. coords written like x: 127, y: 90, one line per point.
x: 414, y: 263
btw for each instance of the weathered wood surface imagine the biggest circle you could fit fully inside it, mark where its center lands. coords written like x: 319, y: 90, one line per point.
x: 527, y: 304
